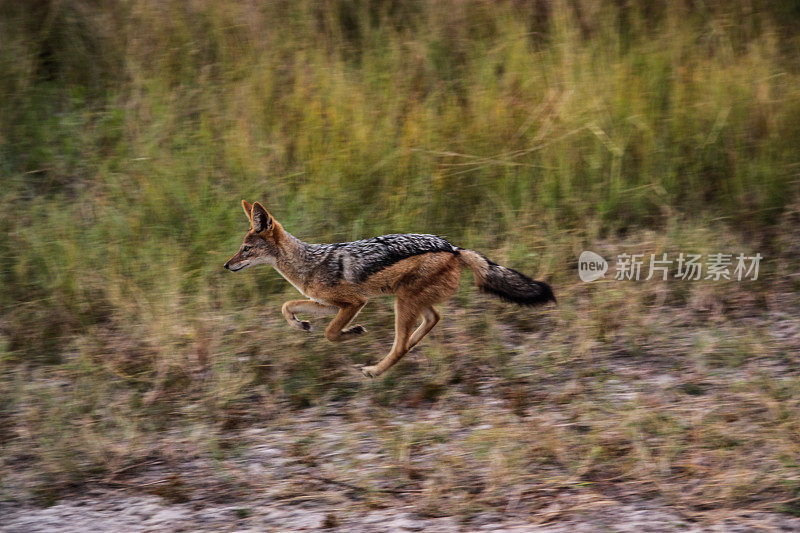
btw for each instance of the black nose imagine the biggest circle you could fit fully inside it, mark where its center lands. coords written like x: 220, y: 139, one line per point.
x: 226, y: 265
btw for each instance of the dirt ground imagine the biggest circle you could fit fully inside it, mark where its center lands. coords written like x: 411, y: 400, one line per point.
x: 104, y: 511
x: 274, y: 483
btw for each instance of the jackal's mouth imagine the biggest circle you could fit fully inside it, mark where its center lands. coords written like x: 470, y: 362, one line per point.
x: 237, y: 267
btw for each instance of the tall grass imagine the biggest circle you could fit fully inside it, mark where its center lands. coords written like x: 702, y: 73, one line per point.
x: 129, y: 132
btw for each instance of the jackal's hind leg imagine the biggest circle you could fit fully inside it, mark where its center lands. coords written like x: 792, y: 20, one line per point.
x: 405, y: 318
x: 438, y: 280
x: 305, y: 306
x: 430, y: 317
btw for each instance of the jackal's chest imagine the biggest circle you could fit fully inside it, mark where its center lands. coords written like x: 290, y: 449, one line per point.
x: 309, y: 291
x: 293, y: 283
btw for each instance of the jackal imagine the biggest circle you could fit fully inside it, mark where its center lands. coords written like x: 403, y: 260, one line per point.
x: 339, y: 278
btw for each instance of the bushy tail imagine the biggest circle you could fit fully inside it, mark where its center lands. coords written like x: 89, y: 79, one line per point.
x: 504, y: 282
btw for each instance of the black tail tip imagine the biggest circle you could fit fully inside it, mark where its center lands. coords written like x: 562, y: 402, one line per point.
x: 533, y: 293
x: 547, y: 293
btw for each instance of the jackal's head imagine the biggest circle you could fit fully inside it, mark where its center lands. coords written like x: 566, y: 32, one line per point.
x: 260, y: 243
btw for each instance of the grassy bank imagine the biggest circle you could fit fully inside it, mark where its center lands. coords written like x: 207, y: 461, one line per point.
x: 129, y: 134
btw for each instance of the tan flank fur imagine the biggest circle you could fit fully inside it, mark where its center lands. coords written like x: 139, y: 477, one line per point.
x: 421, y: 270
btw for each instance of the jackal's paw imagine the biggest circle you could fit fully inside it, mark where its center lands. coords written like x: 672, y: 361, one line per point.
x: 302, y: 325
x: 370, y: 371
x: 358, y: 329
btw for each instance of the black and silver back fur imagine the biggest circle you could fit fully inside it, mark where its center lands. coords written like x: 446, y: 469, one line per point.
x: 358, y: 260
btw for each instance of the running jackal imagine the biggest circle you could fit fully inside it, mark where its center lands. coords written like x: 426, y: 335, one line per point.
x: 339, y: 278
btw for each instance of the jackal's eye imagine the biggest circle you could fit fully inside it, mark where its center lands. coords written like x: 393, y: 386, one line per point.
x: 246, y: 248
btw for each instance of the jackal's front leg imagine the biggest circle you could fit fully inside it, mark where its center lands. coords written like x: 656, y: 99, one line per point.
x: 336, y: 329
x: 305, y: 306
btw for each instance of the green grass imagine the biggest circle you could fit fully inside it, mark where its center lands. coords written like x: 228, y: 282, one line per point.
x: 129, y: 134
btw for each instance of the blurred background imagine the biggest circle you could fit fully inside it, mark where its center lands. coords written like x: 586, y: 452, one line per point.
x: 530, y: 130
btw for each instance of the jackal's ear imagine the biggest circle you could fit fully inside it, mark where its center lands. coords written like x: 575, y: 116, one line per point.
x: 260, y: 218
x: 248, y: 210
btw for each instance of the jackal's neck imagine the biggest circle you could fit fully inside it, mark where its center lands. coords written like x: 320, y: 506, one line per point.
x: 292, y: 259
